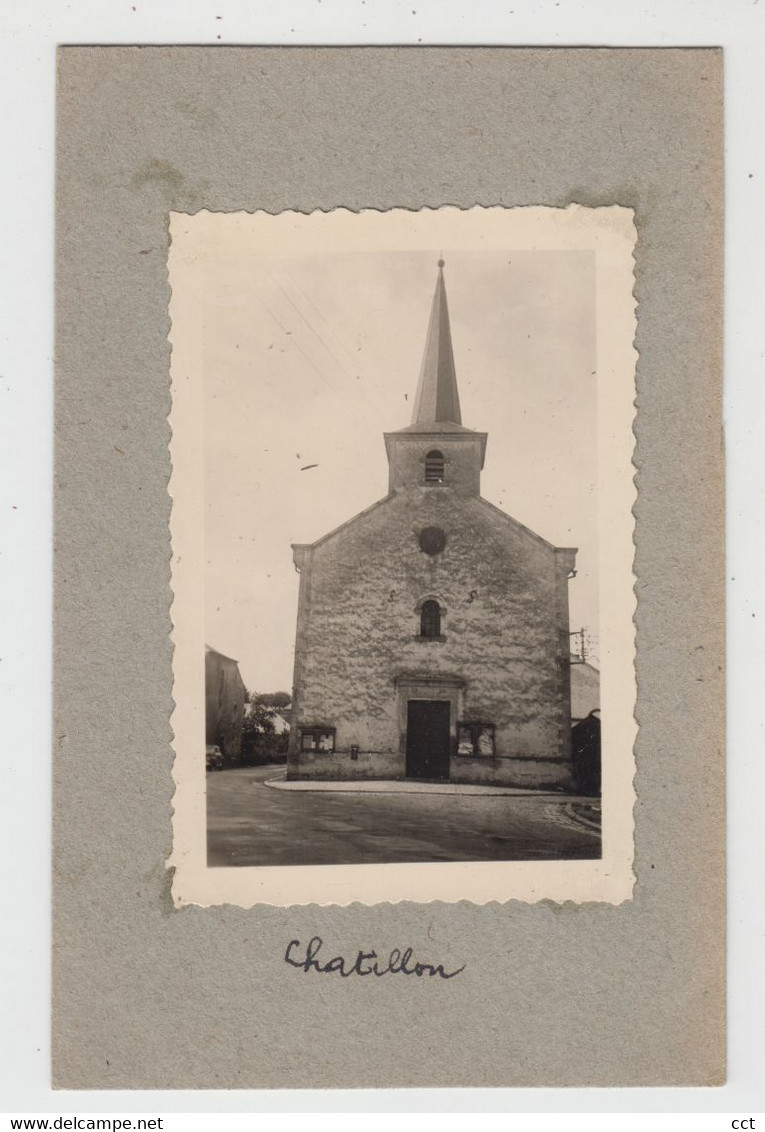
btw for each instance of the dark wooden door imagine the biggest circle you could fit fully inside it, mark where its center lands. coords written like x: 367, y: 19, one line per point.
x: 427, y: 739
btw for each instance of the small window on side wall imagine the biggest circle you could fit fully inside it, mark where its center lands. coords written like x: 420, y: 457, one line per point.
x: 430, y: 619
x: 434, y: 467
x: 476, y: 739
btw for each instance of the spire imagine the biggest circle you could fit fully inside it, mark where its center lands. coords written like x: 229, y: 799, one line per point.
x: 437, y: 399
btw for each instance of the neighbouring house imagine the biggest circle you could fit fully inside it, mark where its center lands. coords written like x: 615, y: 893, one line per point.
x: 585, y: 733
x: 585, y: 689
x: 585, y: 754
x: 224, y: 704
x: 433, y: 629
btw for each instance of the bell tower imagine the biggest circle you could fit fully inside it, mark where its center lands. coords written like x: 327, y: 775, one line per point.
x: 436, y: 451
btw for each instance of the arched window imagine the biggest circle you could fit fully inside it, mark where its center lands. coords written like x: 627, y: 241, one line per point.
x: 430, y: 619
x: 434, y: 467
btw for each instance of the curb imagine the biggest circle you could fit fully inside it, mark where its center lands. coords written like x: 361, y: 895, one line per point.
x: 330, y: 786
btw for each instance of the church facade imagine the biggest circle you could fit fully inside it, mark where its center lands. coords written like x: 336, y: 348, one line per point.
x: 433, y: 630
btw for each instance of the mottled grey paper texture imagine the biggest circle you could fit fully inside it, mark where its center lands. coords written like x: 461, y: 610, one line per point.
x: 151, y: 997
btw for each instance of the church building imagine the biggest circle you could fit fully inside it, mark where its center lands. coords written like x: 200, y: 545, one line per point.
x: 433, y: 629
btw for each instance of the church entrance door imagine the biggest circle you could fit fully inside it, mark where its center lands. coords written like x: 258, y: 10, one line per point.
x: 427, y: 739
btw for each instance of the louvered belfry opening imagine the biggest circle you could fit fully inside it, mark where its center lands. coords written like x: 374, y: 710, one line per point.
x: 434, y: 467
x: 430, y: 619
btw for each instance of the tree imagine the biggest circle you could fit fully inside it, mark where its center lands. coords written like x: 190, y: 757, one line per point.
x: 278, y: 700
x: 260, y: 741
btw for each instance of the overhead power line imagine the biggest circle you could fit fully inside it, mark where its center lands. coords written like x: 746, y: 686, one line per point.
x: 295, y: 343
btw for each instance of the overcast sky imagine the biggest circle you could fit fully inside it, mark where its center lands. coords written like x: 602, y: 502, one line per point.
x: 308, y: 359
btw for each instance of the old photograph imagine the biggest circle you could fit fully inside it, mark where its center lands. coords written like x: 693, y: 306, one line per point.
x: 402, y: 555
x: 388, y: 731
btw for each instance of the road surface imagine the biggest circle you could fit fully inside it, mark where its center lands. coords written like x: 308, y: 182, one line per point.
x: 250, y: 823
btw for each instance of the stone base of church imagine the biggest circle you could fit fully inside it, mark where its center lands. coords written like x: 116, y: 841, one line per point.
x: 340, y: 764
x: 524, y: 773
x: 527, y: 774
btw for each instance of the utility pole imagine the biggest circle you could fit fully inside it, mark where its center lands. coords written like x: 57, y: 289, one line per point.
x: 578, y: 646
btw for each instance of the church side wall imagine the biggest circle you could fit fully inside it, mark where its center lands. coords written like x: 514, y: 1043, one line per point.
x: 504, y: 640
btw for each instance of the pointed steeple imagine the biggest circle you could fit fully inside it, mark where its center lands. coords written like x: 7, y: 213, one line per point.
x: 436, y: 438
x: 437, y: 399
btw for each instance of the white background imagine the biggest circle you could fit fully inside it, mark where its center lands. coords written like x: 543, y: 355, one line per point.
x: 29, y: 32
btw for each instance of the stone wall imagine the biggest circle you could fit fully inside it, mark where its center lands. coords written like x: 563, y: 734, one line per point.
x: 503, y: 593
x: 224, y: 704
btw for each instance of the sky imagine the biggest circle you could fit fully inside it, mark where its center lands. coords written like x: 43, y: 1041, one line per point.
x: 308, y: 358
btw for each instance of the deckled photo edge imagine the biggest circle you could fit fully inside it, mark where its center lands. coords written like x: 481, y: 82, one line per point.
x: 610, y: 233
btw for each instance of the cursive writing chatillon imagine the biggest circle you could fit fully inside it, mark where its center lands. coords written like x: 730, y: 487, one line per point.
x: 365, y: 963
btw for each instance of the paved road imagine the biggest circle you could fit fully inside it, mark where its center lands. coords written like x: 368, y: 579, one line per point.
x: 250, y: 823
